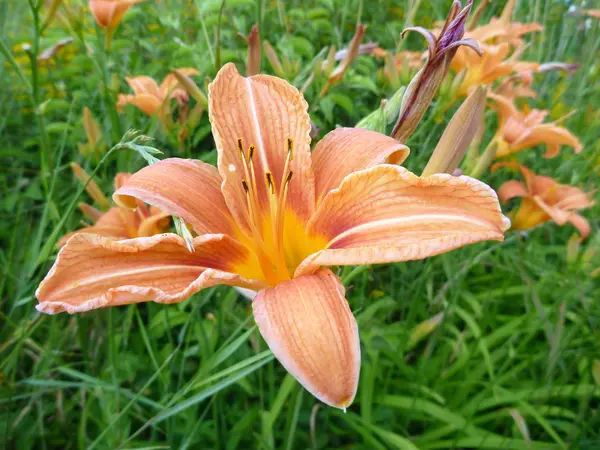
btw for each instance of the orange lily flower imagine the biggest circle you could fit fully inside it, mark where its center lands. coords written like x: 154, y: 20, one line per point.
x: 109, y: 13
x: 495, y: 63
x: 154, y: 99
x: 118, y: 222
x: 518, y: 131
x: 497, y: 31
x: 543, y: 200
x: 268, y: 219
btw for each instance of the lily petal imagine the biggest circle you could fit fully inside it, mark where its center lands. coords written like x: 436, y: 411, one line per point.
x: 186, y: 188
x: 147, y: 103
x: 582, y: 225
x: 347, y: 150
x: 143, y: 85
x: 263, y: 111
x: 110, y: 225
x: 512, y: 189
x: 387, y: 214
x: 551, y: 135
x: 310, y: 329
x: 92, y: 272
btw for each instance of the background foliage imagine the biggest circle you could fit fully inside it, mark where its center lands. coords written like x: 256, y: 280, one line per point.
x: 493, y: 346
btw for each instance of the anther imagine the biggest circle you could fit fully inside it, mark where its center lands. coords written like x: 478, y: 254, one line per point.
x: 239, y: 146
x: 270, y: 183
x: 251, y: 151
x: 289, y: 177
x: 245, y: 186
x: 290, y: 147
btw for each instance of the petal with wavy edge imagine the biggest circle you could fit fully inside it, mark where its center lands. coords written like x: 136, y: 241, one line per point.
x: 93, y: 272
x: 263, y: 111
x: 186, y: 188
x: 387, y: 214
x: 347, y: 150
x: 310, y: 329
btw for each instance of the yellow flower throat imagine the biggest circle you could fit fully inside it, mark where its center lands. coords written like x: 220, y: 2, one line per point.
x: 277, y: 235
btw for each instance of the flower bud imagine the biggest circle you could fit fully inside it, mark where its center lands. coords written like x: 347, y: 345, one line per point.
x: 426, y: 82
x: 191, y: 88
x: 274, y: 59
x: 458, y: 135
x: 90, y: 186
x: 253, y: 64
x: 349, y: 57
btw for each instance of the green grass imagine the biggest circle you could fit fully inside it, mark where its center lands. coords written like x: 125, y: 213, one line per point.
x: 512, y: 364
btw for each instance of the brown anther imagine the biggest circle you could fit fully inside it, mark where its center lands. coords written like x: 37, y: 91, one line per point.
x: 245, y: 186
x: 270, y: 183
x: 289, y: 177
x: 239, y: 146
x: 290, y: 147
x: 251, y: 151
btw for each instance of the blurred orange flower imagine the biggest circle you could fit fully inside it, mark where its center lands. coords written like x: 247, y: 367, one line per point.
x: 496, y: 62
x: 117, y: 222
x: 543, y: 200
x: 109, y: 13
x: 518, y: 130
x: 154, y: 99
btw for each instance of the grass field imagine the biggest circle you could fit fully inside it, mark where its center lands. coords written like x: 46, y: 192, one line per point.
x: 492, y: 346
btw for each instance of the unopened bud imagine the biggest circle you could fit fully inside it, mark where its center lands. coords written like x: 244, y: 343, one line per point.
x: 274, y: 59
x: 51, y: 12
x: 349, y: 57
x: 253, y: 64
x: 90, y: 185
x: 191, y: 88
x: 426, y: 82
x: 458, y: 135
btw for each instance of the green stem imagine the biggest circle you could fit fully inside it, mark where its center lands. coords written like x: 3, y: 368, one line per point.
x: 107, y: 97
x: 46, y: 163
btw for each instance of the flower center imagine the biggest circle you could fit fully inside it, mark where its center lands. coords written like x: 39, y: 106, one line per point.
x: 267, y: 228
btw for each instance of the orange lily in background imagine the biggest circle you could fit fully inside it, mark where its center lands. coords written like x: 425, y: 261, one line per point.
x: 109, y: 13
x: 595, y: 13
x: 153, y: 99
x: 543, y: 200
x: 117, y: 222
x: 518, y: 130
x: 501, y: 29
x: 268, y: 219
x: 495, y: 63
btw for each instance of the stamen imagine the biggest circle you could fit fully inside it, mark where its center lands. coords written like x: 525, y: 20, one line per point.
x: 240, y: 147
x: 270, y: 184
x: 251, y: 151
x: 290, y: 147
